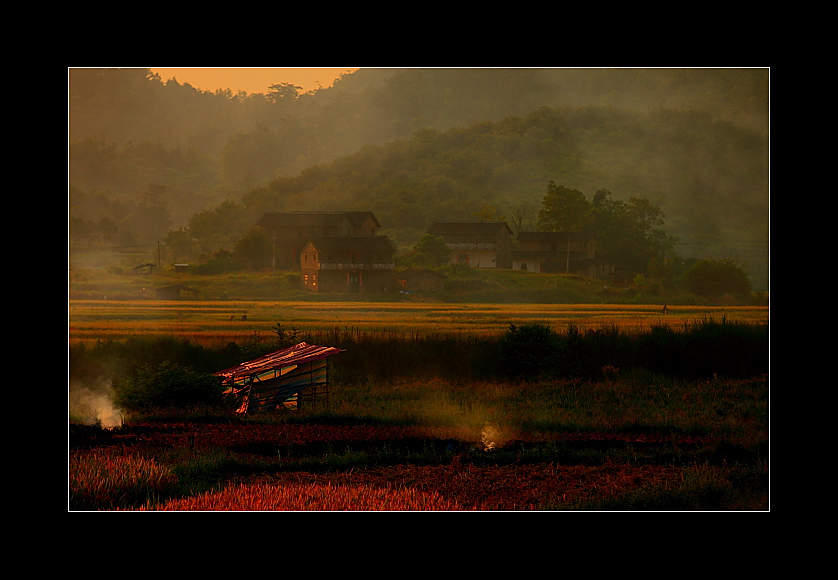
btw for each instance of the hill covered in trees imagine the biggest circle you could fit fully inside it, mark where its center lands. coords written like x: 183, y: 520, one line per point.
x: 151, y: 160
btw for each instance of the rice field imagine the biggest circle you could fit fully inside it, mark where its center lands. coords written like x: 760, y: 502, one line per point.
x: 219, y: 322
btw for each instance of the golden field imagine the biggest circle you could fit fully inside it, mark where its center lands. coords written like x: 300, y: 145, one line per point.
x: 219, y: 322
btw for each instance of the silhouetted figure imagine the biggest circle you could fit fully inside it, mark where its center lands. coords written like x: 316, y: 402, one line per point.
x: 665, y: 309
x: 232, y: 316
x: 244, y: 317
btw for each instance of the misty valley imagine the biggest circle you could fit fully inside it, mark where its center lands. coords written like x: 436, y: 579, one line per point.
x: 518, y: 289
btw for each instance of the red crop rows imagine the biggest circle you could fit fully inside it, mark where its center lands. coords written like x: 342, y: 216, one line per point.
x: 460, y: 483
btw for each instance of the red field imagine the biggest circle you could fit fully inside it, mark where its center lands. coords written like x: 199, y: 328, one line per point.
x: 462, y: 477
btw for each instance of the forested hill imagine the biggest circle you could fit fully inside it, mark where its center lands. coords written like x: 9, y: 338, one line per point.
x: 417, y: 145
x: 709, y: 177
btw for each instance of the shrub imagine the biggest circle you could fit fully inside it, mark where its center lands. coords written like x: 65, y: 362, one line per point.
x: 166, y: 385
x: 530, y: 351
x: 716, y: 277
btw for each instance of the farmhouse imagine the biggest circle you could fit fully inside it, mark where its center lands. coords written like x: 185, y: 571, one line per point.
x: 289, y: 231
x: 290, y: 379
x: 347, y: 264
x: 555, y: 252
x: 478, y: 244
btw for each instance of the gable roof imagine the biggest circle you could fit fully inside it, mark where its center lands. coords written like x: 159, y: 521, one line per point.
x: 344, y: 244
x: 482, y: 228
x: 295, y: 355
x: 359, y: 217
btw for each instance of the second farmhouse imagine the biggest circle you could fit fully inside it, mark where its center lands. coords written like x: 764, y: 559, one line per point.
x: 478, y: 244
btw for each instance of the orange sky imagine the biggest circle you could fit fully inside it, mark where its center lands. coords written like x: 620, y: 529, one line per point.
x: 252, y: 80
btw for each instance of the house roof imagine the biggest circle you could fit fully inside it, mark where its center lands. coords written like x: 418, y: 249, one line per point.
x: 344, y: 244
x: 298, y: 354
x: 359, y: 217
x: 442, y: 228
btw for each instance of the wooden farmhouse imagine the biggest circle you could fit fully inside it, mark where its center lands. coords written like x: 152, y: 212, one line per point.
x: 290, y: 231
x: 478, y: 244
x: 347, y: 264
x: 549, y: 252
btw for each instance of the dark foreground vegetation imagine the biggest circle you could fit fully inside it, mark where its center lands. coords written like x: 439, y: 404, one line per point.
x: 669, y: 419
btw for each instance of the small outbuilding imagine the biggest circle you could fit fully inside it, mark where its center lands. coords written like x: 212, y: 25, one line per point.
x: 420, y: 280
x: 147, y: 268
x: 178, y: 292
x: 290, y: 379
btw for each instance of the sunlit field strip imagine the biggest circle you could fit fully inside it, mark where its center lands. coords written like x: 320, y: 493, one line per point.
x: 222, y: 321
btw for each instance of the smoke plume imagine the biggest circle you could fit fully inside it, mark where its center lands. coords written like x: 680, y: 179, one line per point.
x: 92, y: 404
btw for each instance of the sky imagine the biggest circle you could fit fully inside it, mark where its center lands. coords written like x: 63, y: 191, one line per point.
x: 252, y: 80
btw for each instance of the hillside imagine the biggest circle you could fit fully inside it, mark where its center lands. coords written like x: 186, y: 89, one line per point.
x: 709, y: 177
x: 420, y: 145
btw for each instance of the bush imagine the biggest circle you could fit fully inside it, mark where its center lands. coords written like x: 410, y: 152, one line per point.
x: 716, y: 277
x: 167, y: 385
x: 530, y: 351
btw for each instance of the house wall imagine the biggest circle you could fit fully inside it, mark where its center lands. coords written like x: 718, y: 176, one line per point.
x: 344, y: 229
x: 528, y: 265
x: 348, y: 281
x: 482, y: 258
x: 345, y: 273
x: 368, y: 228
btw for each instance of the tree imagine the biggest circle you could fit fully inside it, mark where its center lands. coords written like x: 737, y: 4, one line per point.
x: 565, y: 210
x: 530, y: 351
x: 150, y: 218
x: 431, y: 251
x: 716, y: 277
x: 489, y: 214
x: 222, y: 224
x: 250, y: 158
x: 179, y: 245
x: 254, y: 249
x: 629, y: 234
x: 521, y: 215
x: 166, y: 385
x: 283, y: 92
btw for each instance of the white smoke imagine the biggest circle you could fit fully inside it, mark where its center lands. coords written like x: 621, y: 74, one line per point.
x: 92, y: 404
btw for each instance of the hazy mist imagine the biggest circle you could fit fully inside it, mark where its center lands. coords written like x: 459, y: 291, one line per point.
x: 148, y: 157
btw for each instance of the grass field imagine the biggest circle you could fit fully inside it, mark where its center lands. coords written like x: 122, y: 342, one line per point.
x: 218, y: 322
x: 408, y: 428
